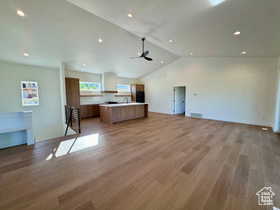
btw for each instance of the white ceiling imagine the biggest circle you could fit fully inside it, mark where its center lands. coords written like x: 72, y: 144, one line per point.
x: 56, y: 31
x: 204, y: 27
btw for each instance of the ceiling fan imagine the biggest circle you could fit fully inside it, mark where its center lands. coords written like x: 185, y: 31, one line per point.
x: 144, y: 53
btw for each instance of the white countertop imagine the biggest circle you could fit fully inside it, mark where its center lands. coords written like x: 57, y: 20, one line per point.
x: 124, y: 104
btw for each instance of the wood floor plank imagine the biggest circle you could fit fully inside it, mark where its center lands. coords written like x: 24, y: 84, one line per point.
x: 86, y: 206
x: 218, y: 196
x: 163, y: 162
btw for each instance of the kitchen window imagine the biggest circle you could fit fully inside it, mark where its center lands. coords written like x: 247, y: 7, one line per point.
x: 123, y: 88
x: 90, y: 87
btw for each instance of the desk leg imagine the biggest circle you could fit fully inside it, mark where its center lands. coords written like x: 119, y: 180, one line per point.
x: 30, y: 138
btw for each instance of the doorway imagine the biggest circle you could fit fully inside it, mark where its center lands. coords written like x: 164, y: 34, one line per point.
x: 179, y: 100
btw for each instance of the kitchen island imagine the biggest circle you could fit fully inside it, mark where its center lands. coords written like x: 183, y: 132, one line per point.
x: 113, y: 113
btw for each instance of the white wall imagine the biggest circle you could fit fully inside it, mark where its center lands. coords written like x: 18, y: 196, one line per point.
x: 47, y: 120
x: 276, y: 127
x: 229, y: 89
x: 83, y: 76
x: 62, y: 91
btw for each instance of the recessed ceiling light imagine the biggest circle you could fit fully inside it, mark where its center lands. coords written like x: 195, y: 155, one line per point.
x: 243, y: 53
x: 130, y: 15
x: 171, y: 41
x: 191, y: 53
x: 26, y: 54
x: 100, y: 40
x: 84, y: 65
x: 236, y: 33
x: 162, y: 62
x: 20, y: 13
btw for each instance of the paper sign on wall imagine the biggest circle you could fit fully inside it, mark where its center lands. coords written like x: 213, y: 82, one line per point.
x: 29, y: 93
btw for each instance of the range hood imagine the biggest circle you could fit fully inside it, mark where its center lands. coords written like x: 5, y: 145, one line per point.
x: 109, y: 82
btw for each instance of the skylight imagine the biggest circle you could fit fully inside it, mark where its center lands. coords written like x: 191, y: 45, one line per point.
x: 216, y: 2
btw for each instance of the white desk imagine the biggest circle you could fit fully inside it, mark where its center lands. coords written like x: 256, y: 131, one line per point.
x: 15, y: 129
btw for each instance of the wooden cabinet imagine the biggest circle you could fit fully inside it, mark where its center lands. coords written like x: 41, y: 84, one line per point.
x: 138, y: 93
x: 139, y: 113
x: 89, y: 111
x: 113, y: 114
x: 129, y: 113
x: 72, y: 89
x: 72, y: 86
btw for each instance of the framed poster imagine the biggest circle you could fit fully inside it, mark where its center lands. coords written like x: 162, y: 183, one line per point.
x: 29, y: 93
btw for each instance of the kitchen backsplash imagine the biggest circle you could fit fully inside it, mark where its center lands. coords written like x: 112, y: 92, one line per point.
x: 104, y: 98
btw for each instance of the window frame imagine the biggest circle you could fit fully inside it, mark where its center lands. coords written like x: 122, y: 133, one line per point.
x: 90, y: 90
x: 124, y: 90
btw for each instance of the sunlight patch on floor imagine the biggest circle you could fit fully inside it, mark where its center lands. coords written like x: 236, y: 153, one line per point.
x: 74, y: 145
x: 50, y: 156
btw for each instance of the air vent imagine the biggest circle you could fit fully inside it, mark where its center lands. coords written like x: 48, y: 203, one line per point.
x: 196, y: 115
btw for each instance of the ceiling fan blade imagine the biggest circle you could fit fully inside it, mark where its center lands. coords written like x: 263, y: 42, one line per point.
x: 145, y: 53
x: 135, y: 57
x: 148, y: 59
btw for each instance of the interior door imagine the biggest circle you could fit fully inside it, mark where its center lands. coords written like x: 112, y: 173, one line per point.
x: 179, y: 100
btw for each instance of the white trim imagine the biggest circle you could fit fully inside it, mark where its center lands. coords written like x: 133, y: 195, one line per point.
x: 62, y: 93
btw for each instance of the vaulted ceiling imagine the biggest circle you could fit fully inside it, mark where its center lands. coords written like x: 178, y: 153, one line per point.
x: 203, y: 27
x: 56, y: 31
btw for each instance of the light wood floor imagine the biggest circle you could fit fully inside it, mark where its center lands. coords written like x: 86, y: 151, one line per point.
x: 160, y: 163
